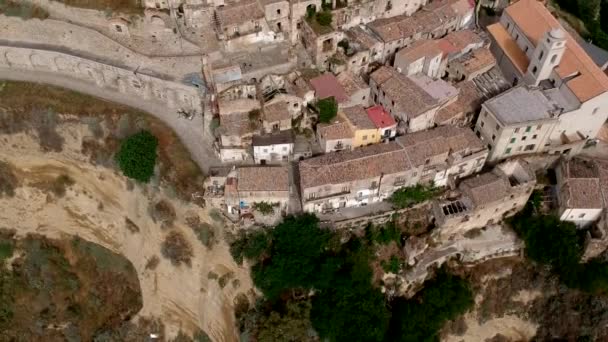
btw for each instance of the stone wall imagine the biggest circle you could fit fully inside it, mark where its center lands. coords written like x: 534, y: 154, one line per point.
x: 153, y: 88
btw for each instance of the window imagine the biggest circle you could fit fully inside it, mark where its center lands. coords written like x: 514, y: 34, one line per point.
x: 485, y: 114
x: 526, y: 49
x: 529, y: 147
x: 534, y: 136
x: 265, y: 150
x: 428, y: 161
x: 542, y: 53
x: 553, y: 59
x: 118, y: 28
x: 528, y: 129
x: 534, y: 70
x: 513, y: 140
x: 345, y: 188
x: 497, y: 127
x: 374, y: 185
x: 489, y: 147
x: 482, y: 124
x: 284, y: 148
x: 524, y: 138
x: 508, y: 150
x: 539, y: 127
x: 415, y: 174
x: 595, y: 110
x: 493, y: 137
x: 517, y: 130
x: 508, y: 26
x: 365, y: 137
x: 312, y: 195
x: 581, y: 215
x: 278, y: 11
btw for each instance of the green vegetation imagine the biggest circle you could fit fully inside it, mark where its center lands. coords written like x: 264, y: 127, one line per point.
x: 408, y: 196
x: 312, y: 279
x: 421, y: 318
x: 594, y: 16
x: 251, y: 245
x: 558, y: 244
x: 137, y: 156
x: 324, y: 18
x: 264, y: 208
x: 8, y: 180
x: 393, y: 265
x: 319, y: 22
x: 328, y: 108
x: 383, y: 234
x: 22, y: 9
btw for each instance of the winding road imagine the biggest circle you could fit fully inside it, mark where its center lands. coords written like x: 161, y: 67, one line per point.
x: 190, y: 132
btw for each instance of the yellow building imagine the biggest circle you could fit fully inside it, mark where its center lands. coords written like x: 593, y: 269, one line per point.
x: 365, y: 132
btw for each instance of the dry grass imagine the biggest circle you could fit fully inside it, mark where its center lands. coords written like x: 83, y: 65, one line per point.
x: 123, y: 6
x: 163, y: 212
x: 25, y: 99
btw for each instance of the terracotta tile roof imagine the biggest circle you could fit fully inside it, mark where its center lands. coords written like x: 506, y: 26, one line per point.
x: 240, y: 12
x: 347, y: 166
x: 237, y: 124
x: 277, y: 111
x: 419, y: 49
x: 476, y: 60
x: 380, y: 117
x: 534, y: 20
x: 362, y: 36
x: 508, y: 45
x: 351, y: 83
x: 439, y: 89
x: 469, y: 100
x: 283, y: 137
x: 327, y: 85
x: 424, y: 145
x: 456, y: 42
x: 358, y: 117
x: 406, y: 94
x: 338, y: 129
x: 228, y: 107
x: 263, y: 178
x: 485, y: 188
x: 582, y: 185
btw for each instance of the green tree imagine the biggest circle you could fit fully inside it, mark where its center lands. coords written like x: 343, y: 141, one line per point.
x: 297, y: 248
x: 328, y: 108
x: 137, y: 156
x: 420, y: 318
x: 604, y: 16
x: 256, y: 245
x: 292, y: 326
x: 324, y: 18
x: 407, y: 196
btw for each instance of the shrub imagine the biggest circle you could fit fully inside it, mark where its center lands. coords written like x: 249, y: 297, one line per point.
x: 163, y: 212
x: 8, y: 180
x: 6, y: 250
x: 250, y: 245
x: 177, y: 249
x: 383, y: 235
x: 204, y: 231
x: 137, y: 156
x: 328, y: 108
x: 393, y: 265
x: 60, y: 184
x: 407, y: 196
x: 264, y: 208
x: 152, y: 263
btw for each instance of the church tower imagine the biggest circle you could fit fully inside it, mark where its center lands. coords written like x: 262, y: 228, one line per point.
x: 547, y: 55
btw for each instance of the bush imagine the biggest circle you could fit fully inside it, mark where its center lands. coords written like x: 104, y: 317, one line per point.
x: 164, y: 213
x: 8, y: 180
x: 264, y: 208
x: 407, y: 196
x: 383, y: 235
x: 328, y: 108
x: 177, y: 249
x: 203, y: 230
x: 392, y: 266
x: 137, y: 156
x: 59, y: 185
x: 324, y: 18
x: 152, y: 263
x: 250, y: 245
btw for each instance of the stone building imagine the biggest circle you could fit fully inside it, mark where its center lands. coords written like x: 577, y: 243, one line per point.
x: 461, y: 112
x: 335, y: 136
x: 581, y: 190
x: 353, y: 178
x: 531, y: 47
x: 444, y: 154
x: 276, y: 117
x: 485, y: 199
x: 321, y: 42
x: 423, y: 56
x: 413, y: 107
x: 386, y: 125
x: 523, y: 121
x: 470, y: 65
x: 248, y: 185
x: 364, y: 130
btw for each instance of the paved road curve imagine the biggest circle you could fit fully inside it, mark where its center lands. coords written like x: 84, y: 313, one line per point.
x: 189, y: 131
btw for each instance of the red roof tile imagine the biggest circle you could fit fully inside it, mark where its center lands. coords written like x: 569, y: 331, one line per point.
x: 326, y: 86
x: 380, y: 117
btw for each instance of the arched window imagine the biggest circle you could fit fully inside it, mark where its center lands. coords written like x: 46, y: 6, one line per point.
x: 553, y: 59
x: 542, y: 53
x: 534, y: 70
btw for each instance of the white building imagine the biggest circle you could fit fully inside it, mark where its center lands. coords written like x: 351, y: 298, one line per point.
x: 579, y: 190
x: 273, y: 148
x: 531, y: 47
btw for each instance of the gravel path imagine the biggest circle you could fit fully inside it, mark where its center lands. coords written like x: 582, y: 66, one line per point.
x: 190, y: 131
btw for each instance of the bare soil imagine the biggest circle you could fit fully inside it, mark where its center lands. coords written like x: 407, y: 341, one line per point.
x: 101, y: 206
